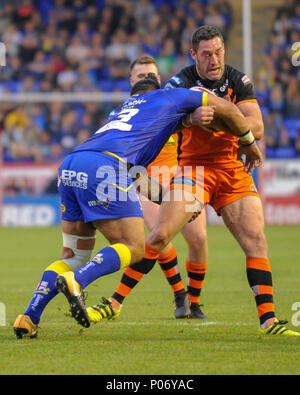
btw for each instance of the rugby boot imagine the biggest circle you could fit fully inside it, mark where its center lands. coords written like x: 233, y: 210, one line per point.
x: 103, y: 310
x: 67, y: 284
x: 182, y: 306
x: 196, y: 312
x: 278, y: 328
x: 24, y: 327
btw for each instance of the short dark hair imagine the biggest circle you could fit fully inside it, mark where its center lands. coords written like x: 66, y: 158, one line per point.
x: 147, y: 85
x: 145, y: 59
x: 205, y: 32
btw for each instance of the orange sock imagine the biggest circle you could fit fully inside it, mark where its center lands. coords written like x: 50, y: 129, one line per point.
x: 260, y: 280
x: 196, y: 274
x: 133, y: 274
x: 169, y: 265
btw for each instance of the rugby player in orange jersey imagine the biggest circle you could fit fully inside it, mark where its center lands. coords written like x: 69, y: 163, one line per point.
x: 225, y: 182
x: 162, y: 169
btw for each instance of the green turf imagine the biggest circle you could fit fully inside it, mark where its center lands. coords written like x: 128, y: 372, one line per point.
x: 146, y: 339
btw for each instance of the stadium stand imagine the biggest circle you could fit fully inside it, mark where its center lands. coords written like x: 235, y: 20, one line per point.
x: 278, y: 85
x: 85, y: 46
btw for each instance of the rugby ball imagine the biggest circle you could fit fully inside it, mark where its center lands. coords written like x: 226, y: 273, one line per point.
x: 217, y: 124
x: 201, y: 88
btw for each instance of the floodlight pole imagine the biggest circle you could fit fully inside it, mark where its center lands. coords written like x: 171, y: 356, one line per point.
x: 247, y: 38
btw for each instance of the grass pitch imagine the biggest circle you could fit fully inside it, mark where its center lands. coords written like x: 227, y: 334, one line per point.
x: 146, y: 339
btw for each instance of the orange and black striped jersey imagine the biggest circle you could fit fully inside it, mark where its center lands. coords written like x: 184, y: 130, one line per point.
x: 200, y: 147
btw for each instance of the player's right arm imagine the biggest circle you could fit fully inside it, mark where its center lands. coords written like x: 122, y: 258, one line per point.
x: 237, y: 125
x: 230, y: 114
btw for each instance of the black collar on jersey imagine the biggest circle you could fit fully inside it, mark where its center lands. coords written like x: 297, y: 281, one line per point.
x: 219, y: 85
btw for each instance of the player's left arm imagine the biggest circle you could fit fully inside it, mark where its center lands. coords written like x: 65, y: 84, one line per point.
x: 248, y: 105
x: 253, y: 115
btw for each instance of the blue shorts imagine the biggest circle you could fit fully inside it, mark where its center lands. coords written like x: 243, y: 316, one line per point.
x: 95, y: 185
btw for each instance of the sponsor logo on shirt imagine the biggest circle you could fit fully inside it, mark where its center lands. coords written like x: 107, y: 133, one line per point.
x: 72, y: 178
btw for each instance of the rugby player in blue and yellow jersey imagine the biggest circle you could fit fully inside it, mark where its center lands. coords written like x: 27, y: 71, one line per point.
x: 97, y: 191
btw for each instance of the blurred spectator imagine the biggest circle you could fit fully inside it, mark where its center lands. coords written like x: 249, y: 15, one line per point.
x: 292, y: 109
x: 283, y: 139
x: 276, y: 100
x: 271, y: 130
x: 77, y: 50
x: 55, y: 154
x: 166, y: 59
x: 278, y: 84
x: 68, y: 130
x: 297, y: 146
x: 214, y: 18
x: 67, y: 78
x: 16, y: 119
x: 12, y: 38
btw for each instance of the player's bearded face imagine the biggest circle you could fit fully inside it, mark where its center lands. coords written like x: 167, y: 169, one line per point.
x: 209, y: 59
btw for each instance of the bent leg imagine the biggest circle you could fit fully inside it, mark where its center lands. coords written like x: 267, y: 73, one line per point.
x: 127, y: 243
x: 167, y: 258
x: 173, y: 215
x: 75, y: 254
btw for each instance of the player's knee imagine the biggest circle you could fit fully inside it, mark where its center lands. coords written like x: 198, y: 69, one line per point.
x: 158, y: 238
x: 256, y: 243
x: 197, y: 240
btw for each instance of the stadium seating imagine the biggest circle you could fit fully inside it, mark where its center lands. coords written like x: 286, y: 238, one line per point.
x: 280, y: 79
x: 82, y: 46
x: 38, y: 38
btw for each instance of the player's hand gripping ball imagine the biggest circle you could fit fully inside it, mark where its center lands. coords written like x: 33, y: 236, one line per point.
x: 216, y: 124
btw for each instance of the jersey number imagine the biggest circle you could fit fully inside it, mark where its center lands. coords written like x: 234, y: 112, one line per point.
x: 121, y: 122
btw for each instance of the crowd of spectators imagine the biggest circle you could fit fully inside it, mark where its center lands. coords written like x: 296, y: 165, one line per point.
x: 278, y: 84
x: 85, y: 46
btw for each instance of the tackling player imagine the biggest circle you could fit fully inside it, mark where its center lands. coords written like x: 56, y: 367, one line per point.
x: 162, y: 169
x: 97, y: 192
